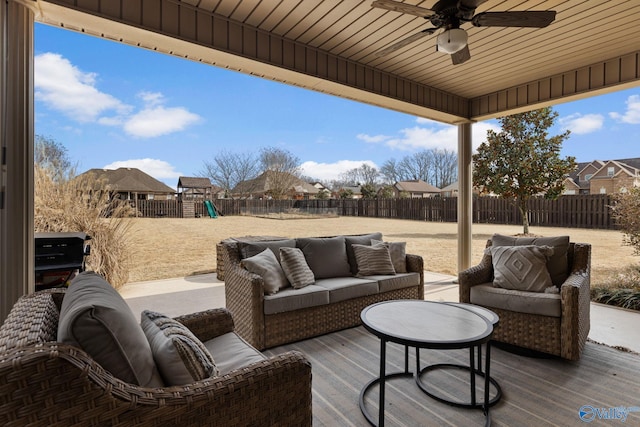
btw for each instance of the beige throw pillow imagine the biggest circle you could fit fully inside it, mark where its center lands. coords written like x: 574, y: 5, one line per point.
x: 180, y: 356
x: 398, y: 252
x: 266, y: 265
x: 296, y: 268
x: 373, y: 260
x: 522, y: 268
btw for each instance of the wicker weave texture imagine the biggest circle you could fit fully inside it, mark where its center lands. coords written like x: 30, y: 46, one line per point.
x: 45, y: 383
x: 564, y: 336
x: 244, y: 293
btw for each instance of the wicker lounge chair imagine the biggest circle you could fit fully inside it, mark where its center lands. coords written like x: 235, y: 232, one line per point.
x: 47, y: 383
x: 564, y: 335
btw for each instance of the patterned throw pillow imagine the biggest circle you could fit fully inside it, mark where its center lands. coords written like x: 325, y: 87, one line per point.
x: 398, y: 252
x: 522, y: 268
x: 373, y: 260
x: 180, y: 356
x: 266, y: 265
x: 296, y: 268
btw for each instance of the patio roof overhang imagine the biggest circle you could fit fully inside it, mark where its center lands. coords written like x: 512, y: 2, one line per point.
x: 327, y: 46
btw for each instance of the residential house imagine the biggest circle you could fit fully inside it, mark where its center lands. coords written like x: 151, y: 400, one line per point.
x: 603, y: 177
x: 133, y: 184
x: 415, y: 189
x: 321, y: 188
x: 265, y: 183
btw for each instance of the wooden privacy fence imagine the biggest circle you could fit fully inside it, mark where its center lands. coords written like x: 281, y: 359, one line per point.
x: 585, y: 211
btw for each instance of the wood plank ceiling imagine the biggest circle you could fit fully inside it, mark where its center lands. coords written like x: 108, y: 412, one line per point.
x: 591, y: 47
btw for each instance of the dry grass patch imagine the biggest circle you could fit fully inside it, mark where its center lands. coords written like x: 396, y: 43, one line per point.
x: 166, y: 247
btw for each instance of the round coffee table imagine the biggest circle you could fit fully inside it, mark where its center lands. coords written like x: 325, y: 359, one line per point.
x: 432, y: 325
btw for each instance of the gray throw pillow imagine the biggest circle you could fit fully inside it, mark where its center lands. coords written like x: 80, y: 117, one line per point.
x: 295, y: 268
x: 362, y: 239
x: 373, y: 259
x: 522, y: 268
x: 558, y: 264
x: 181, y: 357
x: 398, y: 252
x: 95, y: 318
x: 326, y: 256
x: 266, y: 265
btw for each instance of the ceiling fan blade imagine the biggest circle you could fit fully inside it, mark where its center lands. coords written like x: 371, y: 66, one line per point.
x: 461, y: 56
x: 529, y: 18
x: 403, y: 8
x: 404, y: 42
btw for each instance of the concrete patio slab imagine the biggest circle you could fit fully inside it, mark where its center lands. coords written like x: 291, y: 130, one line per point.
x: 609, y: 325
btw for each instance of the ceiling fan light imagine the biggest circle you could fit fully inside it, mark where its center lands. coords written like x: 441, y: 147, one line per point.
x: 451, y: 41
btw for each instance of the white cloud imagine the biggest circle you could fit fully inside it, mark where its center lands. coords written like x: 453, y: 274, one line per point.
x: 582, y: 124
x: 432, y: 135
x: 330, y: 171
x: 65, y: 88
x: 159, y: 169
x: 632, y: 115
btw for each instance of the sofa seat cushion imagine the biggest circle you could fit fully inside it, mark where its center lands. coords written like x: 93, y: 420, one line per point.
x: 543, y: 304
x: 95, y: 318
x: 295, y: 299
x: 326, y: 256
x: 388, y: 283
x: 232, y: 352
x: 344, y: 288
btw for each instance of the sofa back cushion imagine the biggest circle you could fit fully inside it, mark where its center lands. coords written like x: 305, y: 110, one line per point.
x: 95, y: 318
x: 326, y: 256
x: 249, y: 249
x: 558, y: 264
x: 363, y: 239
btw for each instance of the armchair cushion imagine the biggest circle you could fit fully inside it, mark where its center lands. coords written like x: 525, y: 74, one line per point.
x: 558, y: 263
x: 540, y: 303
x: 180, y: 356
x: 232, y: 352
x: 95, y: 318
x: 521, y: 268
x: 266, y: 265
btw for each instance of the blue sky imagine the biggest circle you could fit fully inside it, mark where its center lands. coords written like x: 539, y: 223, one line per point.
x: 113, y: 105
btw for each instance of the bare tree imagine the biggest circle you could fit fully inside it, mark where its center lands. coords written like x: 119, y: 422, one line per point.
x: 445, y: 167
x: 52, y: 156
x: 416, y: 166
x: 389, y: 171
x: 282, y: 169
x: 363, y: 175
x: 228, y: 169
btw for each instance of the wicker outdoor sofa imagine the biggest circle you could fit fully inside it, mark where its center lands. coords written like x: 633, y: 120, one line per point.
x: 562, y: 333
x: 263, y: 327
x: 44, y: 382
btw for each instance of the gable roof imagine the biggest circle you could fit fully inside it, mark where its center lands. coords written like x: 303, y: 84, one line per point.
x: 416, y: 186
x: 194, y: 182
x: 622, y: 168
x: 130, y: 180
x: 262, y: 185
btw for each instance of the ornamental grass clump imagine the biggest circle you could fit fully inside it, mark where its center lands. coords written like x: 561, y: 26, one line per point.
x: 68, y: 203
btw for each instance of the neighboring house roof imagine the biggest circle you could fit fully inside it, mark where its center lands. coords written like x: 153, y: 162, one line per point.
x: 416, y: 186
x: 569, y: 182
x: 131, y: 180
x: 261, y: 185
x: 194, y: 182
x: 451, y: 187
x: 622, y: 168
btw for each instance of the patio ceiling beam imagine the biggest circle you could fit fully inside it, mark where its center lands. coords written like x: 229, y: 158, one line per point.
x: 618, y: 73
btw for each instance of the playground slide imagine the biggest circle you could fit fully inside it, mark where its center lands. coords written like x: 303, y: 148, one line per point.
x: 210, y: 209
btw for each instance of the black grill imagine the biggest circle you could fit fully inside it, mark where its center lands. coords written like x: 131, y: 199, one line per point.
x: 58, y: 257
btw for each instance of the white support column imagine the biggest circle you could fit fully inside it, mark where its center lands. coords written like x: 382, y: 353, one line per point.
x: 465, y: 191
x: 16, y: 142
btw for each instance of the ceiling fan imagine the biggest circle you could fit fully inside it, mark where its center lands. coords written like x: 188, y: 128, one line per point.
x: 450, y: 14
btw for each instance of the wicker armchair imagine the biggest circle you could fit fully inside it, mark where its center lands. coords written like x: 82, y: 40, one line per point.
x: 46, y: 383
x: 563, y: 336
